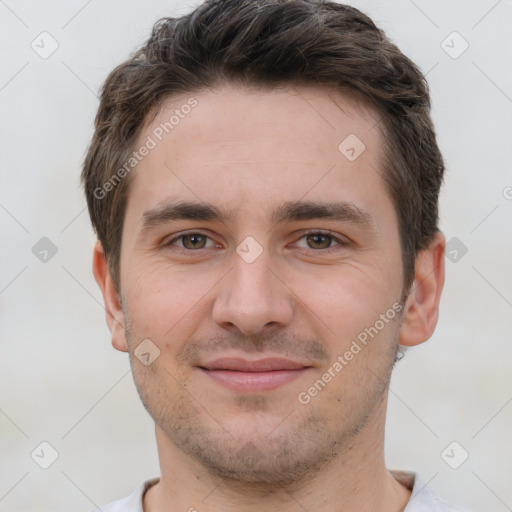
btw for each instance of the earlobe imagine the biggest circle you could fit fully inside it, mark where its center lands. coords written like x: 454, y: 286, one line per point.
x: 113, y: 310
x: 422, y: 305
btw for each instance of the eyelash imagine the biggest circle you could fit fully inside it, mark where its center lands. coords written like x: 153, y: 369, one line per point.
x: 340, y: 243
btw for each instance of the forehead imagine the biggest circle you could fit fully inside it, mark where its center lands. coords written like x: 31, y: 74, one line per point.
x: 239, y: 148
x: 232, y: 113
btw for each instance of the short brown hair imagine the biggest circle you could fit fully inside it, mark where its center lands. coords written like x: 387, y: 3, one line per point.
x: 270, y: 43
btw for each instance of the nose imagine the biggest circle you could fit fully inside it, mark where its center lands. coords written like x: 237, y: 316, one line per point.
x: 253, y: 298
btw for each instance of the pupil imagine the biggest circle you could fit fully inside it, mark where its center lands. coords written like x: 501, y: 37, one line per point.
x: 195, y: 240
x: 317, y: 239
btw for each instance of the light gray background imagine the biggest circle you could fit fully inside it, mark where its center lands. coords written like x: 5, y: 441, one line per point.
x: 60, y: 379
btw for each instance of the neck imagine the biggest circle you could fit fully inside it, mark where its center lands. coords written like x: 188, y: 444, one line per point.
x: 356, y: 480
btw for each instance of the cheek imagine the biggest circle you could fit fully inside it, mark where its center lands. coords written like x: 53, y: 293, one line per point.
x: 169, y: 302
x: 348, y: 298
x: 163, y: 300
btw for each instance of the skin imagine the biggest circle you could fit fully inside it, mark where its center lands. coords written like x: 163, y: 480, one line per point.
x: 248, y: 151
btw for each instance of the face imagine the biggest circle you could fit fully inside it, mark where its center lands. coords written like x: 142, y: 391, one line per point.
x: 261, y: 259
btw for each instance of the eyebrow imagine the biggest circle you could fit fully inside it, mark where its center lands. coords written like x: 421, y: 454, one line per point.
x: 287, y: 212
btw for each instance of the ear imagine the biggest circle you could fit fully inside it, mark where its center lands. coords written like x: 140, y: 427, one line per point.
x: 422, y: 305
x: 113, y: 310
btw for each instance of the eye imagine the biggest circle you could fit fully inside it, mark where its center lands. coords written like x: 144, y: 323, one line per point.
x: 314, y: 240
x: 191, y: 241
x: 322, y: 241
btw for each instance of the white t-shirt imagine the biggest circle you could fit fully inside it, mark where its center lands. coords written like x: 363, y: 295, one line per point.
x: 422, y: 498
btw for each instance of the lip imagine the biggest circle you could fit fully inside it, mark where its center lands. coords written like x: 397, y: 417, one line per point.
x: 266, y: 364
x: 244, y: 375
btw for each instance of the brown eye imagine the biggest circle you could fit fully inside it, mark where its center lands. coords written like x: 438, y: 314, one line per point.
x: 195, y: 241
x: 191, y: 242
x: 319, y: 241
x: 322, y: 242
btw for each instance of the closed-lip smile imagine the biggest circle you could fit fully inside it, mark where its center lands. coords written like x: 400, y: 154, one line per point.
x: 245, y: 375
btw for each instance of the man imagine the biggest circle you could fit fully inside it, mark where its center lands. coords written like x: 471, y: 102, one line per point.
x: 263, y: 181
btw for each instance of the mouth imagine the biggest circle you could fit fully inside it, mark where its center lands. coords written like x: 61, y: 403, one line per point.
x: 259, y: 375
